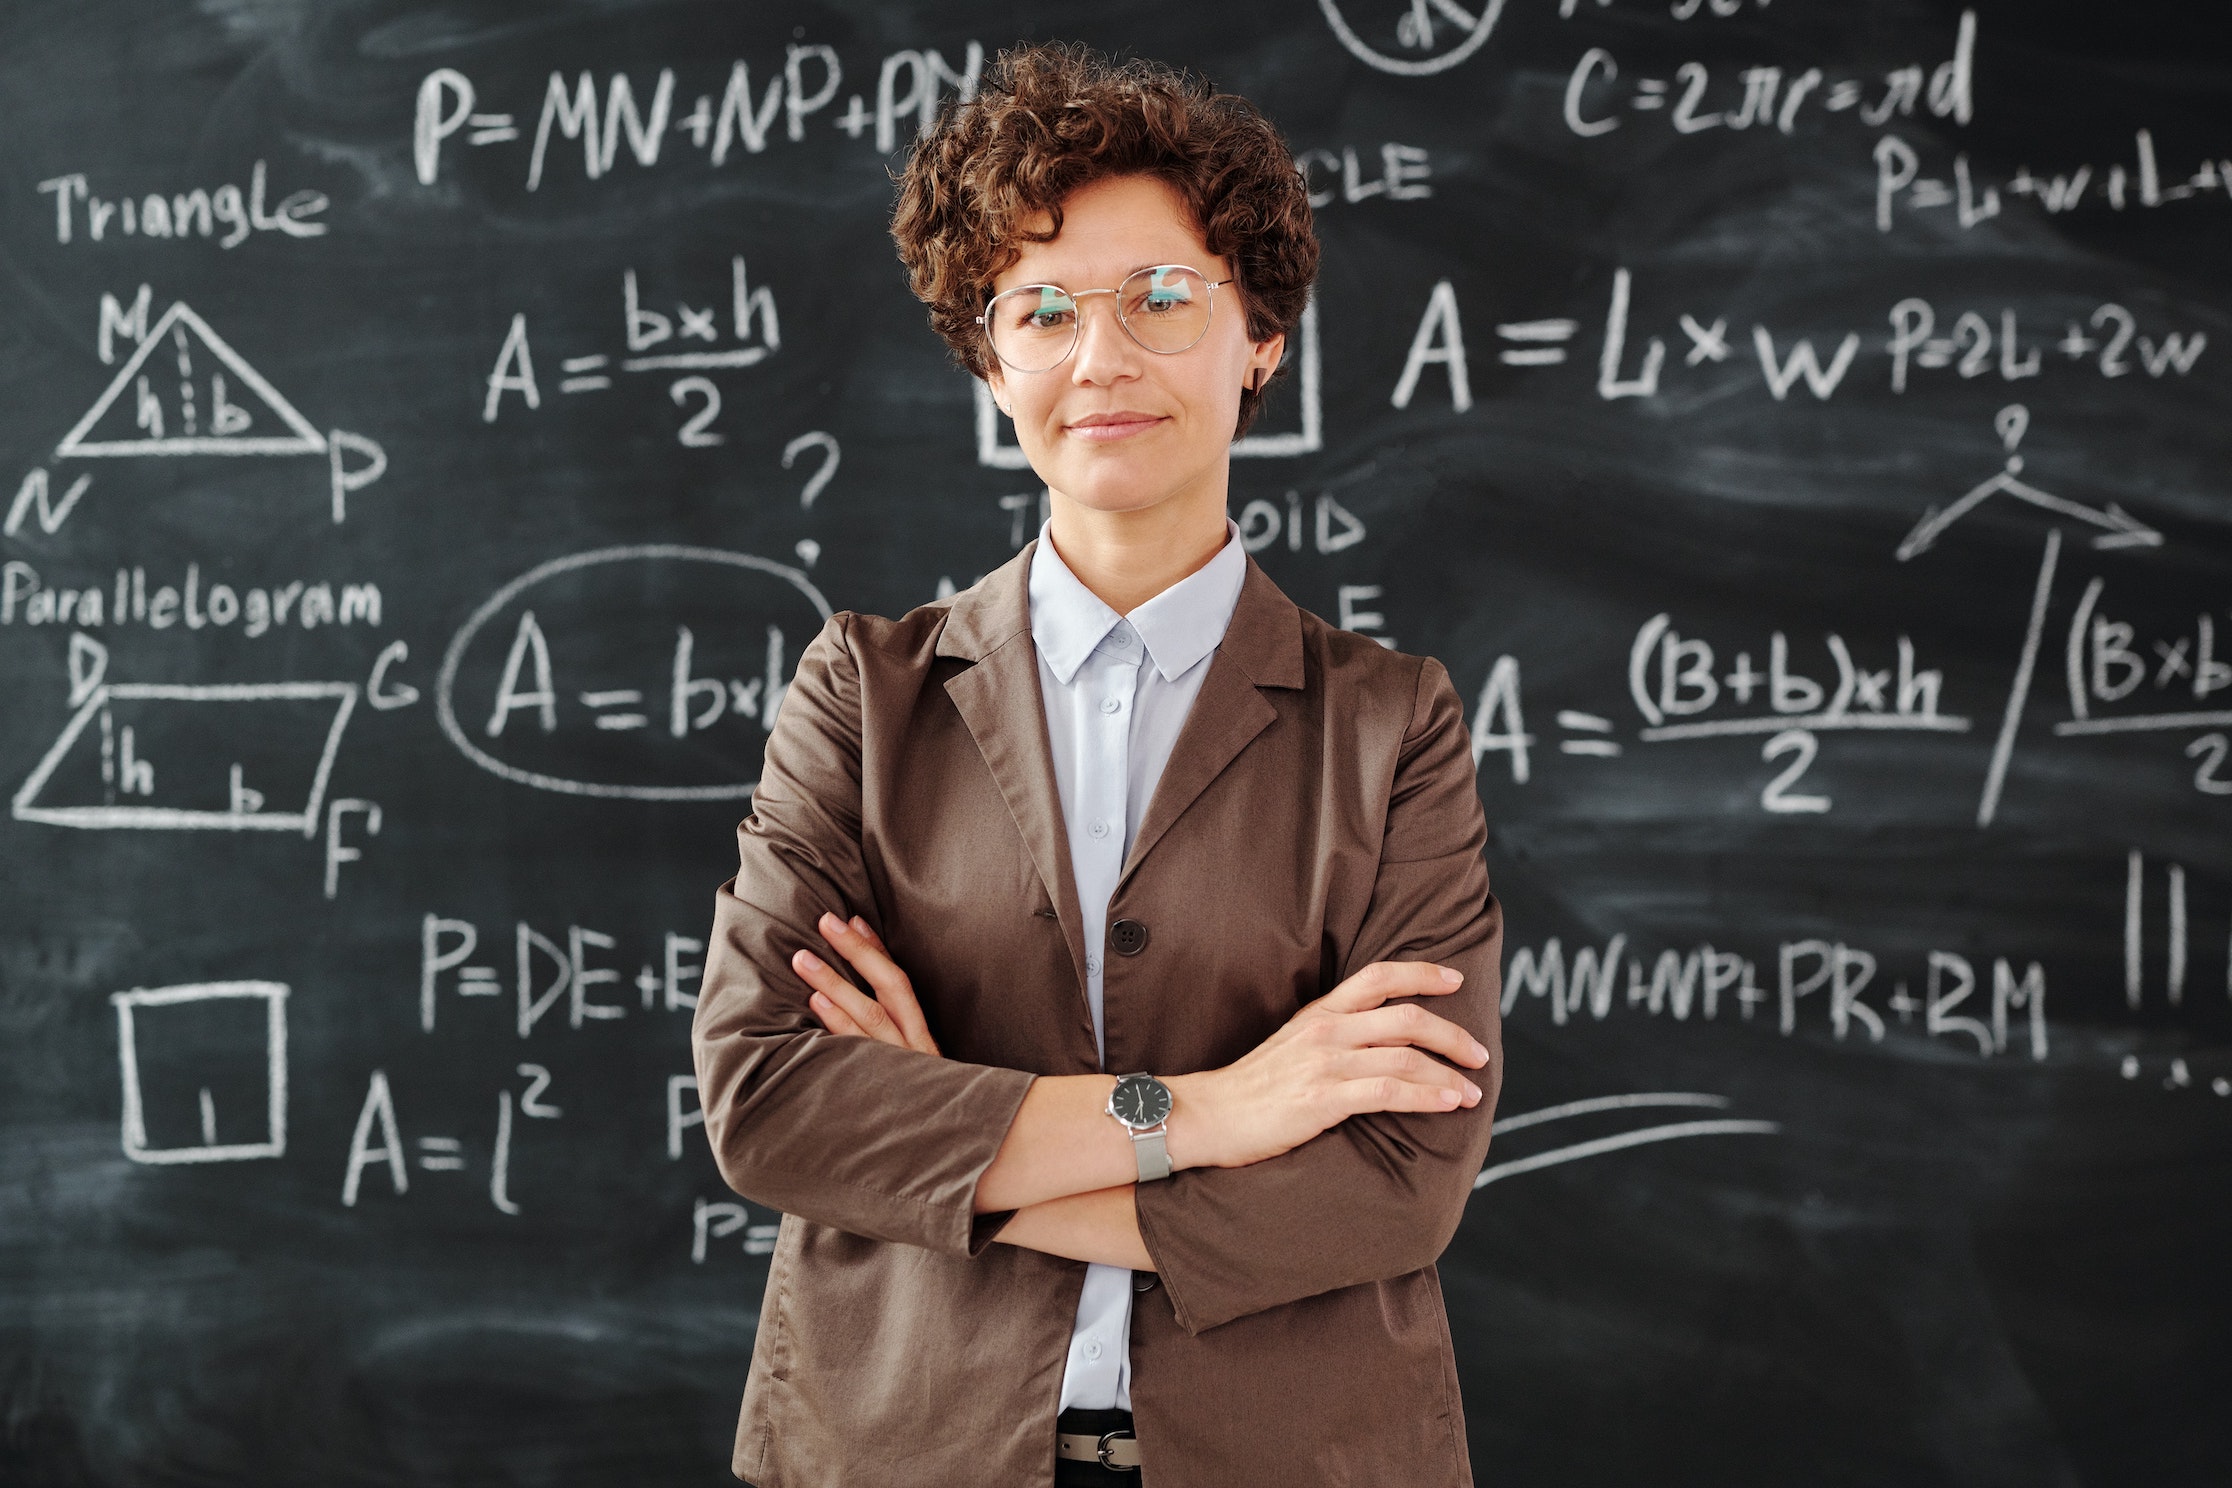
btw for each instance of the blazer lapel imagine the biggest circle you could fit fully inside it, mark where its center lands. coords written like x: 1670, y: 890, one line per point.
x: 998, y: 697
x: 1262, y: 647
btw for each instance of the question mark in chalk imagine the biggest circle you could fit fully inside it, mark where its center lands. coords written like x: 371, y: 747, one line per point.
x: 808, y: 549
x: 2011, y: 422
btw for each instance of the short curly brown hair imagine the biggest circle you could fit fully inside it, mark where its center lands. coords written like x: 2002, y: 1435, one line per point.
x: 1050, y: 118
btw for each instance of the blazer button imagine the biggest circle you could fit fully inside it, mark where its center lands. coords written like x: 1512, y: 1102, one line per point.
x: 1144, y: 1281
x: 1129, y: 937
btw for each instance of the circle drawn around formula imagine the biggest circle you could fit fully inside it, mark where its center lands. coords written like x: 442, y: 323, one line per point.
x: 650, y: 553
x: 1471, y: 41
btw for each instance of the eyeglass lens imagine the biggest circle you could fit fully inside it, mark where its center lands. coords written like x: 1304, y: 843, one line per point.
x: 1033, y: 326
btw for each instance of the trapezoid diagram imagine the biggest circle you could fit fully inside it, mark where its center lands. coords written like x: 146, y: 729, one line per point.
x: 229, y: 757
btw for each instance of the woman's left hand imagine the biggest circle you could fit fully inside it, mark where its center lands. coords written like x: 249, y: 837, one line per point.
x: 892, y: 1015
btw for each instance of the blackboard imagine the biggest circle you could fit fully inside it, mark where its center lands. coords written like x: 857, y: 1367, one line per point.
x: 430, y: 433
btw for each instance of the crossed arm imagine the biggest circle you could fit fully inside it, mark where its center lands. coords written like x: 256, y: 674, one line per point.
x: 1375, y: 1164
x: 1065, y: 1165
x: 1070, y: 1199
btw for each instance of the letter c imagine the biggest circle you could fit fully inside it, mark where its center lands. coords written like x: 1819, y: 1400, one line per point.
x: 376, y: 690
x: 1591, y: 60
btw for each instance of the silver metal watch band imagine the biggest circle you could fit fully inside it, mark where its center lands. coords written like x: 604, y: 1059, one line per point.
x: 1153, y: 1153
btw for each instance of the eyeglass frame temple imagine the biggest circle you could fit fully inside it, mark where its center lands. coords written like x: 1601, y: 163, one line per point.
x: 1079, y: 294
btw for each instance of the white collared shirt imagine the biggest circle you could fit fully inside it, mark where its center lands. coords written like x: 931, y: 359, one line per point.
x: 1117, y: 691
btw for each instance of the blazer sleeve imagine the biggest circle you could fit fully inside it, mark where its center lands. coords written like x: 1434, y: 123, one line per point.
x: 866, y: 1136
x: 1381, y: 1193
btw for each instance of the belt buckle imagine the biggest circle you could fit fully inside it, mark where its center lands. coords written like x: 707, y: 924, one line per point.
x: 1102, y: 1450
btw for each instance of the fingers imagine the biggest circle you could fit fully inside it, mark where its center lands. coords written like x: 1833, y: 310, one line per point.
x: 894, y: 989
x: 1384, y: 980
x: 1410, y: 1023
x: 1387, y: 1093
x: 1412, y: 1067
x: 832, y: 992
x: 893, y: 1014
x: 833, y: 1017
x: 859, y: 927
x: 868, y: 957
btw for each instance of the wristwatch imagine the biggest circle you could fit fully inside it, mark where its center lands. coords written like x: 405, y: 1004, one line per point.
x: 1141, y: 1105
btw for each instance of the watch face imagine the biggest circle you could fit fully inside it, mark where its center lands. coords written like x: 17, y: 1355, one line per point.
x: 1141, y: 1100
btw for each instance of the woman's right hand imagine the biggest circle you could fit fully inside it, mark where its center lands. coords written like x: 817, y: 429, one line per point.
x: 1342, y: 1054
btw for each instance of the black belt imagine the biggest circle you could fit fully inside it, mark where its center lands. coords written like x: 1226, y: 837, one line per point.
x: 1099, y: 1436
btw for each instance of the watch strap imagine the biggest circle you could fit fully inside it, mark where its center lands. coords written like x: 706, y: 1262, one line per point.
x: 1153, y: 1153
x: 1149, y: 1146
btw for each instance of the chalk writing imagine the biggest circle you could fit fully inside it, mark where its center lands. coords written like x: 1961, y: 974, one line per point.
x: 1704, y: 981
x: 1620, y: 1142
x: 1764, y: 96
x: 146, y: 756
x: 550, y: 971
x: 1395, y: 172
x: 224, y: 214
x: 2139, y: 183
x: 189, y: 407
x: 152, y: 1035
x: 752, y: 321
x: 629, y: 672
x: 377, y: 1144
x: 642, y: 117
x: 195, y: 602
x: 1410, y: 38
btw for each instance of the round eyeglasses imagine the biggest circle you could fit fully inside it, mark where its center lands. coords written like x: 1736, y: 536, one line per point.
x: 1166, y: 308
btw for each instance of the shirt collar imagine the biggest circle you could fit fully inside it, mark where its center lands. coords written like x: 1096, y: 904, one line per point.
x: 1179, y: 626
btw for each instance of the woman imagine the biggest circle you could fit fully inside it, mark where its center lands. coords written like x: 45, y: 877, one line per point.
x: 1148, y: 874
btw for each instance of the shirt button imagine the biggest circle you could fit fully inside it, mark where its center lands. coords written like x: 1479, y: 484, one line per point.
x: 1110, y: 705
x: 1093, y: 1349
x: 1092, y: 965
x: 1098, y: 829
x: 1120, y: 636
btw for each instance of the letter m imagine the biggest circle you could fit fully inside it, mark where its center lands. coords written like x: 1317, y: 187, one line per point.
x: 360, y: 602
x: 2009, y: 995
x: 575, y: 120
x: 1543, y: 975
x: 116, y: 320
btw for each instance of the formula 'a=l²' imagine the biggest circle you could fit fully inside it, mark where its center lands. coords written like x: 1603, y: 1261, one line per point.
x: 378, y: 1145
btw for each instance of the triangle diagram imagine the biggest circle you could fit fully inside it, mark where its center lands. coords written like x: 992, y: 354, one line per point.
x: 185, y: 392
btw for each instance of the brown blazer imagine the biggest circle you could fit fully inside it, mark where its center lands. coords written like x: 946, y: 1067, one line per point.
x: 1318, y: 813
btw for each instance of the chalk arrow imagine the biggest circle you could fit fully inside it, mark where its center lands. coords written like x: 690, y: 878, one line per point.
x: 2129, y: 531
x: 2120, y: 528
